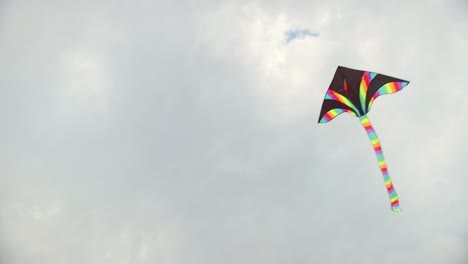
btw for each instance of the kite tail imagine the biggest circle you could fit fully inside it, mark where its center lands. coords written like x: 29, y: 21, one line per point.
x: 382, y: 164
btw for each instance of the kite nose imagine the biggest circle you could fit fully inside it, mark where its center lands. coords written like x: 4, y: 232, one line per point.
x: 396, y: 209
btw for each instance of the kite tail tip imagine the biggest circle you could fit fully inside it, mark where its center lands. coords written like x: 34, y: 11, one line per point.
x: 396, y: 209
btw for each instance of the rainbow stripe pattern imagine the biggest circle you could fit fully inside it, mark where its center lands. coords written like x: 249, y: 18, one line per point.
x: 388, y: 88
x: 334, y: 112
x: 332, y: 95
x: 395, y: 205
x: 367, y: 77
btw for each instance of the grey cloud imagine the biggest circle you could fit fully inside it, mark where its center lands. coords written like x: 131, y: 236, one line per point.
x: 171, y: 160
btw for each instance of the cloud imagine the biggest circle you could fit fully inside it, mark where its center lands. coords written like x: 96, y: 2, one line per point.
x: 299, y: 34
x: 170, y: 132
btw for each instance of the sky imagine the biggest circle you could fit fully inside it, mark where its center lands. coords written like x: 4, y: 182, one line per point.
x: 179, y: 132
x: 300, y: 34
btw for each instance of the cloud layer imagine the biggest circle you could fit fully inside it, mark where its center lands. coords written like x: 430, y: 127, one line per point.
x: 185, y: 132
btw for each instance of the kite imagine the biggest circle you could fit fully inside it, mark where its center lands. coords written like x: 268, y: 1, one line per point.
x: 353, y: 91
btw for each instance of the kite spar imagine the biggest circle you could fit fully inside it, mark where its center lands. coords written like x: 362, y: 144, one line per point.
x: 353, y: 91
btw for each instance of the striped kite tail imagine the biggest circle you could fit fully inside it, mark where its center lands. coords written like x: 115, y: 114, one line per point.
x: 382, y: 164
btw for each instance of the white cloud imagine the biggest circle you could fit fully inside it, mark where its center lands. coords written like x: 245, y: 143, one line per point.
x: 85, y: 86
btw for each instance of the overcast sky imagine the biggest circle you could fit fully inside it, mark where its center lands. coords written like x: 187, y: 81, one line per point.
x: 186, y: 132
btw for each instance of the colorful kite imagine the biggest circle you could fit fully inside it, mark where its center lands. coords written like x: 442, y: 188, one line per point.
x: 354, y: 91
